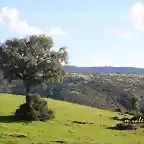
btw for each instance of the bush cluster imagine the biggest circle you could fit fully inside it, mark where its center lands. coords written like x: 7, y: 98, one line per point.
x: 35, y: 109
x: 123, y: 126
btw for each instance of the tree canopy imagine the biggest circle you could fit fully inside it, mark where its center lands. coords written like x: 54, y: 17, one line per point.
x: 32, y: 60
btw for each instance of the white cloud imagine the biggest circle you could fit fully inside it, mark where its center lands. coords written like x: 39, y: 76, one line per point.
x: 136, y: 16
x: 16, y: 24
x: 119, y: 32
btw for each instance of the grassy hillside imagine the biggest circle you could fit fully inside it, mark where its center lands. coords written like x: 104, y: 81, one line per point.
x: 62, y: 128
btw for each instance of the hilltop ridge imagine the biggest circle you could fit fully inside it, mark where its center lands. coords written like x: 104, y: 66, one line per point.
x: 102, y: 70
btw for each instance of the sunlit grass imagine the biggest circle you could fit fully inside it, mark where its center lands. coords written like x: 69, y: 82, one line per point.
x: 61, y: 127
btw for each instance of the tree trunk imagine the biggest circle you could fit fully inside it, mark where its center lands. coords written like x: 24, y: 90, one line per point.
x: 27, y: 93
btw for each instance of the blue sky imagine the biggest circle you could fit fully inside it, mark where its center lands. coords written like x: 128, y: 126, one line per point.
x: 96, y: 32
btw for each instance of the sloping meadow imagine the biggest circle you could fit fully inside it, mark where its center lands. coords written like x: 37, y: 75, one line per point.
x: 73, y: 124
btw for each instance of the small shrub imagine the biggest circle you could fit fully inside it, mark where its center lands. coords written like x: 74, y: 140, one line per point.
x: 34, y: 109
x: 115, y: 118
x: 118, y: 110
x: 127, y: 112
x: 123, y: 126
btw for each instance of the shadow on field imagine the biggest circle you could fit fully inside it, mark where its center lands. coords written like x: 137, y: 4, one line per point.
x: 8, y: 119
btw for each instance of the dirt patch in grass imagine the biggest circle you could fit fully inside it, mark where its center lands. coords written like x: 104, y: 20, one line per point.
x: 14, y: 135
x: 59, y: 142
x: 81, y: 122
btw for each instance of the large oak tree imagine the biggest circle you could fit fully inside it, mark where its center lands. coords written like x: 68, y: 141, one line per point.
x: 32, y: 60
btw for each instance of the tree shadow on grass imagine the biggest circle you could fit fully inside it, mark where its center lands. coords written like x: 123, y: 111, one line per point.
x: 10, y: 119
x: 7, y: 119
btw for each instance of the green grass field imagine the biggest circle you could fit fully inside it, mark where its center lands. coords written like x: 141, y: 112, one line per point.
x: 61, y: 128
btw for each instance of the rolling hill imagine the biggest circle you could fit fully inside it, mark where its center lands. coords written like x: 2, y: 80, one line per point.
x: 63, y: 129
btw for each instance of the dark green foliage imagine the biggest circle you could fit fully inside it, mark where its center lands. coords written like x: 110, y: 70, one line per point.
x: 36, y: 109
x: 32, y: 60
